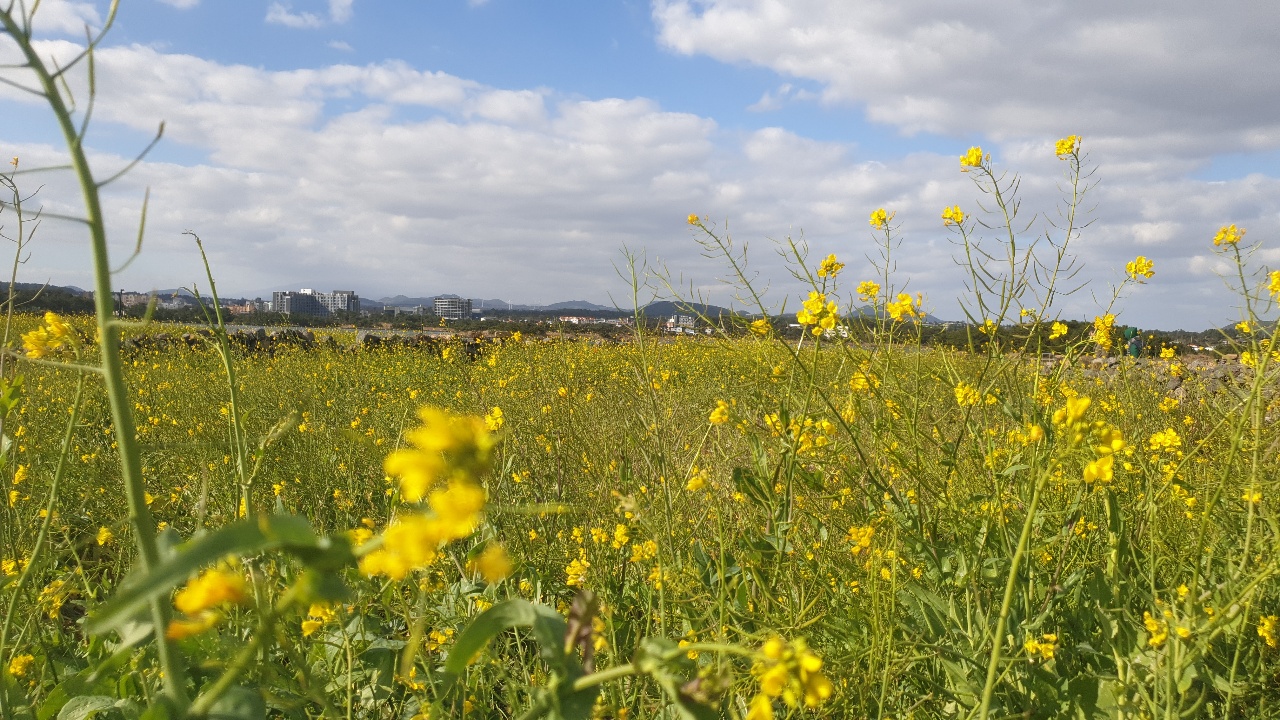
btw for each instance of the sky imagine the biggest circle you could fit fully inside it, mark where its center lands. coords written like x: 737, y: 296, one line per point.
x: 518, y: 150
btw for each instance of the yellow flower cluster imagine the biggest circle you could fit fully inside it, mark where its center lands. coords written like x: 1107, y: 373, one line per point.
x: 1057, y: 330
x: 860, y: 538
x: 49, y: 338
x: 317, y: 616
x: 1042, y: 648
x: 1157, y: 630
x: 576, y: 572
x: 1066, y: 147
x: 903, y: 306
x: 1268, y: 625
x: 880, y: 219
x: 21, y: 664
x: 1106, y: 439
x: 952, y: 215
x: 818, y: 312
x: 973, y: 159
x: 1228, y: 235
x: 869, y: 289
x: 791, y: 672
x: 830, y: 267
x: 493, y: 563
x: 1140, y: 268
x: 445, y: 447
x: 760, y: 327
x: 720, y: 415
x: 413, y: 541
x: 200, y: 599
x: 1273, y: 283
x: 1102, y: 326
x: 967, y: 395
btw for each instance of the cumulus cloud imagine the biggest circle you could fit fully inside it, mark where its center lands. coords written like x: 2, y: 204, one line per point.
x: 69, y: 17
x: 181, y: 4
x: 1179, y: 78
x: 281, y: 13
x: 432, y: 183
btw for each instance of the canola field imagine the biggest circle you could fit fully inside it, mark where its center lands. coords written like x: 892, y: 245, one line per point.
x: 736, y: 527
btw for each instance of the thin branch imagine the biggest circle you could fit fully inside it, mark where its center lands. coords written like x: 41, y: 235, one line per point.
x: 136, y: 160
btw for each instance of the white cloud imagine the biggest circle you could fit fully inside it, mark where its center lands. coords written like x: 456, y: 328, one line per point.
x: 281, y: 13
x: 340, y: 10
x: 341, y: 45
x: 181, y: 4
x: 1179, y: 78
x: 66, y: 17
x: 436, y: 183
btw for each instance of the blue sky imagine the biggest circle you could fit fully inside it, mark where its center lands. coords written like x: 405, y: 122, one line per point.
x: 509, y: 150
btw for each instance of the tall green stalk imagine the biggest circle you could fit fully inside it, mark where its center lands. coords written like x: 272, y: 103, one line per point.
x: 109, y: 340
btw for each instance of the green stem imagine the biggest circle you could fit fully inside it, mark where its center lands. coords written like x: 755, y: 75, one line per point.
x: 997, y: 639
x: 112, y: 367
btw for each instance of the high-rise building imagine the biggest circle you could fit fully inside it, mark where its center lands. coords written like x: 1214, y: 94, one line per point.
x: 310, y: 302
x: 452, y: 307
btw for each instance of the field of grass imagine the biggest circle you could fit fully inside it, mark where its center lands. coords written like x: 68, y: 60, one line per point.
x: 870, y: 501
x: 740, y: 525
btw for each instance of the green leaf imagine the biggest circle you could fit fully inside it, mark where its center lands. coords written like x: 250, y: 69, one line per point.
x: 547, y: 625
x: 247, y: 537
x: 242, y: 538
x: 748, y: 484
x: 239, y: 703
x: 85, y: 707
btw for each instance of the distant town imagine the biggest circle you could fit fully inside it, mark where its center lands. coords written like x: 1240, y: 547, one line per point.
x: 308, y: 307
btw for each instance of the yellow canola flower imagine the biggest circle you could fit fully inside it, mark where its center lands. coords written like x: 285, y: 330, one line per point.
x: 792, y: 672
x: 444, y: 446
x: 693, y: 219
x: 1102, y: 326
x: 904, y: 306
x: 720, y: 415
x: 880, y: 219
x: 868, y: 290
x: 1228, y: 235
x: 1057, y: 330
x: 1066, y: 147
x: 495, y: 419
x: 830, y: 267
x: 1042, y: 648
x: 105, y: 535
x: 760, y: 327
x: 1273, y: 283
x: 761, y: 708
x: 49, y: 338
x: 1269, y: 630
x: 21, y: 664
x: 493, y: 564
x: 952, y: 215
x: 212, y: 588
x: 973, y: 159
x: 1158, y: 631
x: 1100, y: 470
x: 317, y: 615
x: 818, y: 312
x: 967, y: 395
x: 180, y: 628
x: 1139, y: 268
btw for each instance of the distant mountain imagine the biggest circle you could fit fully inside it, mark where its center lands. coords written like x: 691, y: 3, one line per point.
x: 579, y: 305
x: 498, y: 304
x: 667, y: 308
